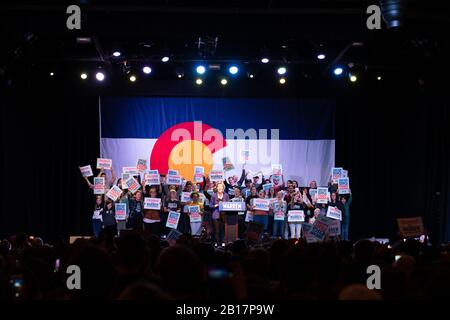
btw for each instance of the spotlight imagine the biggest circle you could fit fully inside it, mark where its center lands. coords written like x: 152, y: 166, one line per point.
x: 223, y: 81
x: 100, y: 76
x: 233, y: 70
x: 83, y: 76
x: 281, y: 70
x: 200, y: 69
x: 353, y: 78
x: 52, y: 74
x: 251, y: 75
x: 199, y: 81
x: 147, y: 70
x: 338, y: 71
x: 282, y: 80
x: 165, y: 59
x: 179, y: 72
x: 180, y: 76
x: 132, y: 78
x: 379, y: 78
x: 116, y: 53
x: 265, y: 60
x: 321, y: 56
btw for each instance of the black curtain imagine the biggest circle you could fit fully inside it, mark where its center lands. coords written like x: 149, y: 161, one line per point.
x: 395, y: 142
x: 46, y: 134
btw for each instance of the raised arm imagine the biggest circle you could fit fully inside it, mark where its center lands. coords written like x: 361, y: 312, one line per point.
x: 90, y: 185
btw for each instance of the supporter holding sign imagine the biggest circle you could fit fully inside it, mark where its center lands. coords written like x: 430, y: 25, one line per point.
x: 249, y: 202
x: 173, y: 180
x: 295, y: 216
x: 241, y: 214
x: 121, y: 211
x: 135, y: 215
x: 296, y: 205
x: 334, y: 202
x: 336, y: 173
x: 152, y: 217
x: 234, y: 182
x: 172, y: 219
x: 195, y: 214
x: 334, y: 213
x: 186, y: 197
x: 277, y: 169
x: 279, y: 209
x: 217, y: 217
x: 278, y: 182
x: 260, y: 209
x: 152, y: 179
x: 97, y: 221
x: 172, y: 204
x: 109, y: 217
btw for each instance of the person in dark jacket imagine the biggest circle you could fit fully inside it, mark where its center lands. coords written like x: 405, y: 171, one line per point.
x: 109, y: 217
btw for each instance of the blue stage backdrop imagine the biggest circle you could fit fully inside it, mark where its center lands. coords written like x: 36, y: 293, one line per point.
x: 181, y: 133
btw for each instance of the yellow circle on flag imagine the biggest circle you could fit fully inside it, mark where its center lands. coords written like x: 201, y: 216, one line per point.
x: 188, y: 154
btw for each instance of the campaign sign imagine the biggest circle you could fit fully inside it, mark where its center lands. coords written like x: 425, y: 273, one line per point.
x: 152, y: 179
x: 336, y: 173
x: 172, y: 219
x: 198, y: 169
x: 277, y: 169
x: 322, y: 195
x: 227, y: 165
x: 194, y: 214
x: 245, y: 155
x: 185, y: 197
x: 313, y: 194
x: 133, y: 171
x: 410, y: 227
x: 86, y: 171
x: 132, y: 184
x: 216, y: 175
x: 248, y: 217
x: 344, y: 174
x: 114, y: 193
x: 104, y: 163
x: 198, y: 177
x: 335, y: 228
x: 125, y: 177
x: 334, y: 213
x: 152, y: 203
x: 141, y: 165
x: 267, y: 186
x: 279, y: 215
x: 175, y: 180
x: 231, y: 206
x: 344, y: 185
x: 319, y: 230
x: 172, y: 172
x: 261, y: 204
x: 121, y: 211
x: 296, y: 216
x: 99, y: 185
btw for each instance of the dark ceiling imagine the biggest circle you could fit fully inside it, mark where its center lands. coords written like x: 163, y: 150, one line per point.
x: 35, y: 35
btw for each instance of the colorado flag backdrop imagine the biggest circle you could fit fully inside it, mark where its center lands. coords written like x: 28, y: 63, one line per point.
x: 182, y: 133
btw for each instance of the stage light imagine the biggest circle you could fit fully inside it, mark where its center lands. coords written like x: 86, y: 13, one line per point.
x: 165, y: 59
x: 338, y: 71
x: 265, y: 60
x: 282, y: 80
x: 199, y: 81
x: 393, y: 12
x: 180, y: 76
x: 147, y: 70
x: 116, y: 53
x: 233, y: 69
x: 251, y: 75
x: 353, y: 78
x: 100, y: 76
x: 52, y: 74
x: 223, y: 81
x: 83, y: 76
x: 133, y: 78
x: 200, y: 69
x: 281, y: 70
x: 321, y: 56
x: 379, y: 78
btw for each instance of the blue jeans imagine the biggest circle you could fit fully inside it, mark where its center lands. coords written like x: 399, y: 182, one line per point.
x: 278, y: 225
x: 344, y: 231
x: 264, y: 220
x: 97, y: 226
